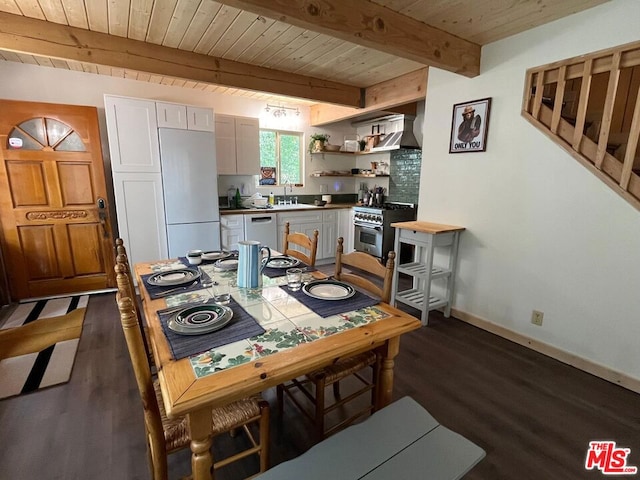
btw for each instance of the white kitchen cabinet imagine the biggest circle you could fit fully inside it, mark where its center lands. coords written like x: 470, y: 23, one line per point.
x: 329, y: 234
x: 137, y: 182
x: 345, y: 228
x: 141, y: 221
x: 247, y: 146
x: 171, y: 115
x: 301, y: 221
x: 133, y: 134
x: 185, y: 117
x: 237, y: 145
x: 325, y: 221
x: 231, y: 231
x: 200, y: 118
x: 226, y: 145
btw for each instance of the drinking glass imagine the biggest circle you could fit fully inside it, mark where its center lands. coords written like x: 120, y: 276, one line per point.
x: 294, y: 279
x: 206, y: 280
x: 221, y: 293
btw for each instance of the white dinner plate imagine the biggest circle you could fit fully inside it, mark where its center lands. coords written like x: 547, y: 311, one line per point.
x: 173, y: 277
x: 283, y: 261
x: 200, y: 319
x: 215, y: 255
x: 227, y: 264
x: 329, y: 290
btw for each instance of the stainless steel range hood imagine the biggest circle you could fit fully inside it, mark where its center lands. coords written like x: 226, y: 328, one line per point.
x: 399, y: 134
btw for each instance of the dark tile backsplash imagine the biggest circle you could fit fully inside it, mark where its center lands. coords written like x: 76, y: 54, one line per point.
x: 404, y: 175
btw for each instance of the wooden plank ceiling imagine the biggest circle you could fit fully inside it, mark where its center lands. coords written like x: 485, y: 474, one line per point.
x: 298, y: 51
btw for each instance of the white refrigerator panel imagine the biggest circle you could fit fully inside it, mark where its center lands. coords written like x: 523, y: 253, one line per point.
x: 193, y: 236
x: 189, y: 176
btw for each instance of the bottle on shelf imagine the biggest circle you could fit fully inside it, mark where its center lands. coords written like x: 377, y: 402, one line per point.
x: 238, y: 199
x: 231, y: 196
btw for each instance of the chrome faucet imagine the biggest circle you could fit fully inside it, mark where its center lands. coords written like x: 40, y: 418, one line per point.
x: 285, y: 190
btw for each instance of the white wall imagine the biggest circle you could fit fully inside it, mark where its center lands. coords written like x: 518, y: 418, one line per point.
x: 43, y: 84
x: 542, y: 232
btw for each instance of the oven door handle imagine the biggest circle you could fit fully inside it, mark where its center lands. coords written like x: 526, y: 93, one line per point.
x: 370, y: 227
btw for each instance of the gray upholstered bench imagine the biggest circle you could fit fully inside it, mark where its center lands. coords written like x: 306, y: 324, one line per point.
x: 402, y: 441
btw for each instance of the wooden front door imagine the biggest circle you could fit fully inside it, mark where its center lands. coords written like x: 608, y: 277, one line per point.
x: 56, y: 234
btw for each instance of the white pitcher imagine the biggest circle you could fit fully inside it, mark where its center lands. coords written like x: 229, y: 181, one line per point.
x: 251, y: 263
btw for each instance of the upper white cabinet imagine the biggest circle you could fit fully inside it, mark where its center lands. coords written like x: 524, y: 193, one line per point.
x: 237, y: 145
x: 200, y: 118
x: 133, y: 134
x: 173, y: 115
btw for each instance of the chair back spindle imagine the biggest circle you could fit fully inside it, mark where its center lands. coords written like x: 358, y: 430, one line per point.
x: 309, y: 244
x: 369, y: 264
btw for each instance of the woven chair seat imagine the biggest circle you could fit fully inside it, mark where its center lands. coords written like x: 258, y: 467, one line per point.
x: 227, y: 417
x: 345, y: 367
x: 176, y: 431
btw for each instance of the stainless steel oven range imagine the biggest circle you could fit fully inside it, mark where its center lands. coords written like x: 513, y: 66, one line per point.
x: 373, y: 233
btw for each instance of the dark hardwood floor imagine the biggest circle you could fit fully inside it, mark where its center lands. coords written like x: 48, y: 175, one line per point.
x: 533, y: 415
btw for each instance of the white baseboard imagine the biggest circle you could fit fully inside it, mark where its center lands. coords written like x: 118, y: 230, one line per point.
x: 624, y: 380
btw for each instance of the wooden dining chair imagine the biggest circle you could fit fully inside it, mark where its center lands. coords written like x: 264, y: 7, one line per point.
x: 126, y: 288
x: 344, y: 367
x: 302, y: 240
x: 165, y: 435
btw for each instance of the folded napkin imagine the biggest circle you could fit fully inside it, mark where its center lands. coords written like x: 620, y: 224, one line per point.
x: 157, y: 292
x: 326, y: 308
x: 242, y: 326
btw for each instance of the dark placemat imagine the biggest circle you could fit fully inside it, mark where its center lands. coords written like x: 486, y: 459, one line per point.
x: 242, y: 326
x: 158, y: 292
x: 234, y: 254
x: 281, y: 272
x: 326, y: 308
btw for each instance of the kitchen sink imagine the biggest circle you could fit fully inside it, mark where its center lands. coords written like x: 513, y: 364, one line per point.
x: 293, y: 206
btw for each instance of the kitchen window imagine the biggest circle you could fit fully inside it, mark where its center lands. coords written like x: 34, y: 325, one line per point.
x: 281, y: 157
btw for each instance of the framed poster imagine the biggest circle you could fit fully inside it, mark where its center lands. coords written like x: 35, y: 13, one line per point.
x: 469, y: 126
x: 267, y: 176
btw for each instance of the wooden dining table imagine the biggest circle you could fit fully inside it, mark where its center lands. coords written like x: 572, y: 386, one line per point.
x: 187, y: 391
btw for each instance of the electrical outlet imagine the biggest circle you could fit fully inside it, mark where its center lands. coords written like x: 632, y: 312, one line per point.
x: 536, y: 317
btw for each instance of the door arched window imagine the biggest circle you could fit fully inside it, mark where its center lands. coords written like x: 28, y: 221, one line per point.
x: 42, y: 133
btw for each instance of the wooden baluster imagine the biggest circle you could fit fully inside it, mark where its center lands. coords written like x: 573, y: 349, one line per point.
x: 537, y: 101
x: 557, y: 104
x: 607, y: 115
x: 632, y: 145
x: 582, y: 104
x: 526, y: 98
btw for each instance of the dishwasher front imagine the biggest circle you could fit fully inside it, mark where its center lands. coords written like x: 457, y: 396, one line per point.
x: 262, y: 227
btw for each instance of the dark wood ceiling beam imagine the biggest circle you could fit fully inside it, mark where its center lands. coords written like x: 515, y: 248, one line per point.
x: 374, y: 26
x: 37, y: 37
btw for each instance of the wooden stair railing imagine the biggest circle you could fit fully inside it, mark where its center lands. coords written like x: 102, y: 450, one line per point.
x: 614, y: 110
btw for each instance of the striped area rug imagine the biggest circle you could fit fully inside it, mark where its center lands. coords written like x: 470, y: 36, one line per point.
x: 38, y: 344
x: 54, y: 307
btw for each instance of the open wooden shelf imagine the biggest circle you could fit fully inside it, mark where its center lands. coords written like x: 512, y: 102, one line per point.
x: 342, y: 153
x: 363, y: 175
